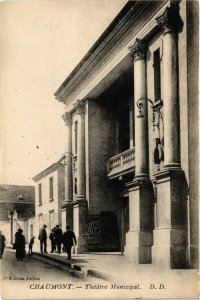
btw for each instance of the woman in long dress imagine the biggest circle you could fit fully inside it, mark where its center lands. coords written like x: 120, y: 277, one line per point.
x: 20, y: 245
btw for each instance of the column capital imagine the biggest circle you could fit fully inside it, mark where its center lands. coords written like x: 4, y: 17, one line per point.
x: 67, y: 117
x: 170, y: 19
x: 138, y: 49
x: 79, y: 106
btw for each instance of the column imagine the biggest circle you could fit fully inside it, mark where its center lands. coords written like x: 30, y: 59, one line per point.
x: 67, y: 212
x: 140, y: 236
x: 138, y: 51
x: 81, y: 184
x: 80, y: 206
x: 170, y: 247
x: 168, y: 21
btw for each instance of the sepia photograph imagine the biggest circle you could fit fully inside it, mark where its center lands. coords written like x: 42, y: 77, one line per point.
x: 99, y: 182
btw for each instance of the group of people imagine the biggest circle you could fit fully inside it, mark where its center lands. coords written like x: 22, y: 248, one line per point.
x: 57, y: 238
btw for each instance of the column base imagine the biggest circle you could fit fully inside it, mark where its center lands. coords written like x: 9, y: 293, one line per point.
x: 80, y: 212
x: 82, y: 244
x: 194, y: 256
x: 170, y: 248
x: 138, y: 247
x: 67, y: 215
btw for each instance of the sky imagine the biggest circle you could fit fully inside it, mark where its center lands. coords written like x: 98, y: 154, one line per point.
x: 40, y: 44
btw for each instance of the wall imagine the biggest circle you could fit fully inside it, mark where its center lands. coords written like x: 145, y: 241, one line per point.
x: 100, y: 146
x: 47, y: 204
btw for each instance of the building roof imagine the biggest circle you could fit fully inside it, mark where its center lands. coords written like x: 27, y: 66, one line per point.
x: 48, y: 170
x: 17, y: 193
x: 17, y: 198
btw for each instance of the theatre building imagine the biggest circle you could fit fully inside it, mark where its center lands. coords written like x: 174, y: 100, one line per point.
x: 131, y: 111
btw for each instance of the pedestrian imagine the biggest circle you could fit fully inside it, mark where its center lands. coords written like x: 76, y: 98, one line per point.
x: 20, y: 244
x: 69, y: 239
x: 53, y: 242
x: 2, y: 244
x: 58, y: 238
x: 43, y: 239
x: 30, y: 246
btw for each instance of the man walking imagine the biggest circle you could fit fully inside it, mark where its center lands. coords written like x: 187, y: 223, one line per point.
x: 43, y: 239
x: 69, y: 239
x: 58, y: 238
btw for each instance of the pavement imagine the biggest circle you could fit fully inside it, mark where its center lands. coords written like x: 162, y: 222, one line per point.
x: 113, y: 267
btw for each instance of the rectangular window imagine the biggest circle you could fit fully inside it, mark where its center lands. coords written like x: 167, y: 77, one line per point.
x: 40, y: 219
x: 51, y: 188
x: 75, y: 137
x: 157, y: 78
x: 51, y: 219
x: 40, y: 193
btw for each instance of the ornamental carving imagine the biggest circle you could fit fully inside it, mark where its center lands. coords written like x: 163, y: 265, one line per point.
x: 138, y: 49
x: 170, y: 19
x: 67, y: 117
x: 79, y: 106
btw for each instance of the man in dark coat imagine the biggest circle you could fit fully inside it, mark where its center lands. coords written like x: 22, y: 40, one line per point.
x: 58, y: 238
x: 69, y: 239
x: 2, y: 244
x: 43, y: 238
x: 52, y: 239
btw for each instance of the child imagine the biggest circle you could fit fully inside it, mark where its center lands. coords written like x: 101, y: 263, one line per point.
x: 31, y: 245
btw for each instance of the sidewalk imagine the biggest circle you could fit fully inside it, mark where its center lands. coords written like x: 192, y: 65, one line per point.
x: 113, y: 270
x: 114, y: 267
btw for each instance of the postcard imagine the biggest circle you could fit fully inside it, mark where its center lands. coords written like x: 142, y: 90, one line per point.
x: 99, y: 194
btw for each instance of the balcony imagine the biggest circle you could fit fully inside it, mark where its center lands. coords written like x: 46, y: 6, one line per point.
x: 121, y: 163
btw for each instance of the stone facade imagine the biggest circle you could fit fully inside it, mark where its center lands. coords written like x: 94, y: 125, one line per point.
x: 130, y: 135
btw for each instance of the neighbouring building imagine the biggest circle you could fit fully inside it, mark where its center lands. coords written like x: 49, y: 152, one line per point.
x: 131, y: 111
x: 49, y: 194
x: 17, y: 206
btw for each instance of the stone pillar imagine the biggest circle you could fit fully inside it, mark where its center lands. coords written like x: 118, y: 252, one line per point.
x: 138, y: 50
x: 80, y: 206
x: 140, y: 236
x: 81, y: 184
x: 169, y: 22
x: 170, y: 247
x: 67, y: 203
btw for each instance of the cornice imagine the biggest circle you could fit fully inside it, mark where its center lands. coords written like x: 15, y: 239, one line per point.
x: 47, y: 171
x: 98, y: 64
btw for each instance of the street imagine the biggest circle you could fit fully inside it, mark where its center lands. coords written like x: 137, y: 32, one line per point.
x: 32, y: 268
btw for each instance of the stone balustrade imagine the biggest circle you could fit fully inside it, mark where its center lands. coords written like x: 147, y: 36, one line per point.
x: 121, y: 163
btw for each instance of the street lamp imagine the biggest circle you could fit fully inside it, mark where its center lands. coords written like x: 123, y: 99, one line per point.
x: 156, y: 106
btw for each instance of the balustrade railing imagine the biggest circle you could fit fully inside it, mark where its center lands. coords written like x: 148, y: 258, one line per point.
x: 121, y: 161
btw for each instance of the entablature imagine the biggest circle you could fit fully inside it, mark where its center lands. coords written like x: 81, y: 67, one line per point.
x: 138, y: 22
